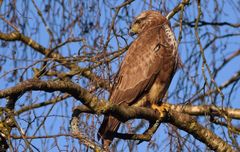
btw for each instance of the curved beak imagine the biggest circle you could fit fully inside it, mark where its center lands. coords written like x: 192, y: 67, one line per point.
x: 133, y: 30
x: 131, y: 33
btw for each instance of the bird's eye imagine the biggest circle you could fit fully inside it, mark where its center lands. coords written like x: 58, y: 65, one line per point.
x: 137, y: 22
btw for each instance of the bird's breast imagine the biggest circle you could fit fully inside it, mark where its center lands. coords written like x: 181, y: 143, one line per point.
x: 155, y: 92
x: 170, y: 38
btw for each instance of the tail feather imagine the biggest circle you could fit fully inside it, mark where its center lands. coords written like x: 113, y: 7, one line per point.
x: 107, y: 128
x: 102, y: 128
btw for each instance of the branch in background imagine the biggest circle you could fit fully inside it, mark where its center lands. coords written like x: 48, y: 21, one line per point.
x: 204, y: 62
x: 230, y: 127
x: 16, y: 36
x: 190, y: 125
x: 9, y: 23
x: 42, y: 104
x: 234, y: 78
x: 44, y: 22
x: 177, y: 9
x: 204, y: 23
x: 227, y: 60
x: 96, y: 59
x: 215, y: 37
x: 86, y: 141
x: 117, y: 9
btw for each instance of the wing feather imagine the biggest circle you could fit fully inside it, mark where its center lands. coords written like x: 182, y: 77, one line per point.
x: 139, y: 69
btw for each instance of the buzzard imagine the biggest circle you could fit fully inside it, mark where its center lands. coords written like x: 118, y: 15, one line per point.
x: 147, y: 69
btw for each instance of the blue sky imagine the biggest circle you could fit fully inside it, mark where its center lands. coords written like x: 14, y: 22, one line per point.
x: 63, y: 110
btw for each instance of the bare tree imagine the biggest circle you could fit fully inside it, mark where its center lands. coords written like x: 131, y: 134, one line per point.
x: 58, y: 60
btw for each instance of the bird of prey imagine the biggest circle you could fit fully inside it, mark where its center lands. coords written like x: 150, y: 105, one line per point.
x: 147, y: 69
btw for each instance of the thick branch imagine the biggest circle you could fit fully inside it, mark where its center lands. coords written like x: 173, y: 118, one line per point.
x: 207, y: 110
x: 190, y: 125
x: 202, y: 110
x: 49, y: 86
x: 180, y: 120
x: 122, y: 112
x: 92, y: 102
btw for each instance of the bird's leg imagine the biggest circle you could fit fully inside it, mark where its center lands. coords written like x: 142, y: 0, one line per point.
x: 164, y: 107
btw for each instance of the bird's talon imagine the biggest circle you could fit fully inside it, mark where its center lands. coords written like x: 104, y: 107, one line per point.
x: 161, y: 109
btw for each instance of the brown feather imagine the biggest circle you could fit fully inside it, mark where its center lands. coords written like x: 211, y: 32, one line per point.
x: 147, y: 68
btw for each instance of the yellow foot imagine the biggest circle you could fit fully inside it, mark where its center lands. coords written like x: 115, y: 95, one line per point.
x: 164, y: 107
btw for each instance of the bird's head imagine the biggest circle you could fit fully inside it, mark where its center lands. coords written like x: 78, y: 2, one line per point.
x: 146, y: 20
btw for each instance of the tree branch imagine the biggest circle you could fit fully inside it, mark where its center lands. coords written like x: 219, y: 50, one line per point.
x: 121, y: 112
x: 190, y: 125
x: 204, y: 23
x: 50, y: 86
x: 207, y: 110
x: 202, y: 110
x: 180, y: 120
x: 16, y: 36
x: 86, y: 141
x: 177, y: 9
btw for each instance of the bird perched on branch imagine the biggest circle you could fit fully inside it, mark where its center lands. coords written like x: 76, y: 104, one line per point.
x: 146, y: 71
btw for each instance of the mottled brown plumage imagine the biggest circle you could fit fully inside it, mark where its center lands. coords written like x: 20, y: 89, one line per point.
x: 147, y: 70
